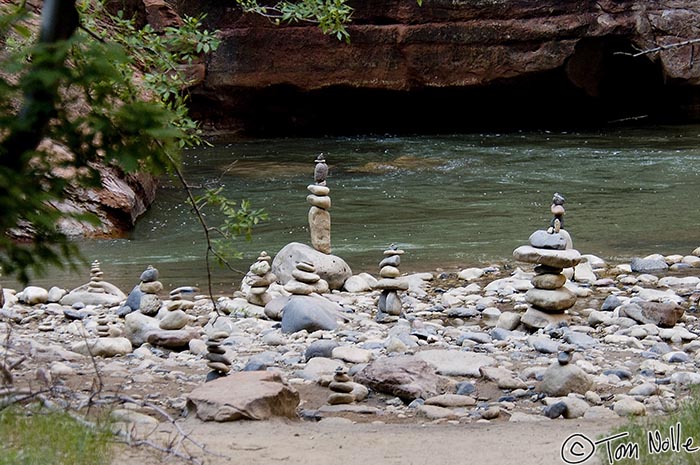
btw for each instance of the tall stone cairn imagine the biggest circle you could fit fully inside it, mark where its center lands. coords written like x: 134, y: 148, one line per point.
x: 550, y: 251
x: 96, y: 278
x: 390, y: 305
x: 216, y: 358
x: 319, y: 216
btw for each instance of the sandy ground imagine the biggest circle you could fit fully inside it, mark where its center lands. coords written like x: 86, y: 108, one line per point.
x: 335, y: 441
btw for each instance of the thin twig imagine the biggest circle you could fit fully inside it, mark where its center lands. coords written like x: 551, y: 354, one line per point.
x: 660, y: 48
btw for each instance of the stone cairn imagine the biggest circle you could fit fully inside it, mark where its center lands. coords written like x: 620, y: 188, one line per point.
x: 216, y: 356
x: 96, y: 278
x: 102, y: 328
x: 150, y: 286
x: 551, y: 251
x: 260, y: 278
x: 342, y: 388
x: 305, y: 281
x: 319, y: 217
x: 390, y: 305
x: 179, y: 298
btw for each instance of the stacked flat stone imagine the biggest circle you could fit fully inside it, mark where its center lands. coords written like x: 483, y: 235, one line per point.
x: 150, y: 286
x: 390, y: 305
x: 550, y: 251
x: 319, y: 216
x: 179, y: 298
x: 260, y: 278
x: 558, y: 211
x: 342, y: 387
x: 305, y: 281
x: 96, y: 278
x: 102, y: 328
x: 216, y: 356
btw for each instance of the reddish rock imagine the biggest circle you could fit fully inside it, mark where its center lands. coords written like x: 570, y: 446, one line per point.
x: 263, y: 72
x: 246, y: 395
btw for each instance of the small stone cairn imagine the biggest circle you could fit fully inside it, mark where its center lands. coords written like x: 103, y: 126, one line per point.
x: 342, y: 388
x: 319, y: 217
x: 150, y: 286
x: 102, y: 328
x: 216, y: 356
x: 179, y: 298
x: 550, y: 251
x: 260, y: 278
x: 390, y: 306
x: 305, y: 281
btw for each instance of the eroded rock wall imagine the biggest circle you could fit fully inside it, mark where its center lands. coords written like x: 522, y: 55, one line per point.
x: 471, y: 51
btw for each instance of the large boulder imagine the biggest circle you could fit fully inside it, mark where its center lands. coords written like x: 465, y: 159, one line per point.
x: 330, y: 268
x: 246, y: 395
x: 403, y: 376
x: 310, y: 313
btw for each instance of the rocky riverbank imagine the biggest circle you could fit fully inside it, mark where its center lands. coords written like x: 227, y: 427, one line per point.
x: 467, y: 347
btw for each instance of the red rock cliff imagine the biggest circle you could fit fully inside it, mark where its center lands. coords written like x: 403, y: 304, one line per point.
x: 453, y: 65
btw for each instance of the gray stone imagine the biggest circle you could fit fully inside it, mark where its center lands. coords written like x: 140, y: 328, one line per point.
x: 544, y: 240
x: 137, y: 326
x: 309, y: 313
x: 456, y: 362
x: 356, y: 284
x: 552, y: 258
x: 560, y: 380
x: 537, y: 319
x: 331, y: 268
x: 320, y: 229
x: 508, y: 320
x: 320, y: 348
x: 133, y: 302
x: 611, y: 303
x: 150, y: 274
x: 33, y: 295
x: 404, y: 376
x: 648, y: 264
x: 174, y: 339
x: 552, y: 301
x: 54, y: 296
x: 104, y: 347
x: 249, y: 395
x: 549, y: 281
x: 174, y: 320
x: 629, y: 407
x: 150, y: 304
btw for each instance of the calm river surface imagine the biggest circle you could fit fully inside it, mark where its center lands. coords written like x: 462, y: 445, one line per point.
x: 450, y: 201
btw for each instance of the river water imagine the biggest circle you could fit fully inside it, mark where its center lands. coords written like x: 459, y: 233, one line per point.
x: 450, y: 201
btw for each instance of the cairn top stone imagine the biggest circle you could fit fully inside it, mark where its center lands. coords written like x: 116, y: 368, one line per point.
x: 149, y: 275
x: 321, y: 170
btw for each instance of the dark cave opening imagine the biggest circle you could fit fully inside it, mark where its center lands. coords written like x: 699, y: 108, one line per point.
x: 597, y: 87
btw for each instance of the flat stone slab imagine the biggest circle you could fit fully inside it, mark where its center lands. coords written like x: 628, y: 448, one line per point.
x: 552, y: 258
x: 456, y: 362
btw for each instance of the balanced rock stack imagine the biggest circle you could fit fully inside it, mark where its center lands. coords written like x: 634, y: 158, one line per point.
x: 305, y: 281
x: 180, y: 298
x: 390, y: 305
x: 319, y: 217
x: 550, y: 251
x: 150, y: 287
x: 260, y: 278
x: 342, y: 388
x: 96, y: 292
x: 96, y: 279
x: 102, y: 328
x: 216, y: 356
